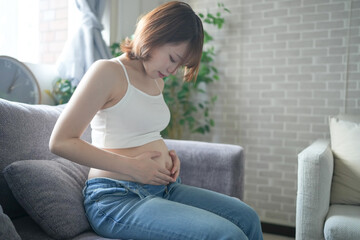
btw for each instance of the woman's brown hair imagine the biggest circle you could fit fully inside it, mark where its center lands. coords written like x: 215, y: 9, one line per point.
x: 173, y: 22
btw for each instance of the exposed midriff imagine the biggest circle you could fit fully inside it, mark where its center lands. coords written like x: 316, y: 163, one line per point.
x: 159, y: 145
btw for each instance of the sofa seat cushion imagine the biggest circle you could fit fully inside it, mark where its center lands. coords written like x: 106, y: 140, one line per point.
x: 342, y: 222
x: 92, y: 236
x: 51, y: 193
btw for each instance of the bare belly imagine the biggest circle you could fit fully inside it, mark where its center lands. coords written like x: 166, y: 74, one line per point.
x: 158, y: 145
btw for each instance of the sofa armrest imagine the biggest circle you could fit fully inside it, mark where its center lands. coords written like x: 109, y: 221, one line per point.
x: 217, y: 167
x: 315, y: 171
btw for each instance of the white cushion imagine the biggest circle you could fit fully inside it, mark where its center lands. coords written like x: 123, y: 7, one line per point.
x: 345, y: 144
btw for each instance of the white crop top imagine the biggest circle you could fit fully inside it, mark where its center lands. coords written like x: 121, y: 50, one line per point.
x: 137, y: 119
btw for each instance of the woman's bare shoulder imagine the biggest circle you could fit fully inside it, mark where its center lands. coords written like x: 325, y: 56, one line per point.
x: 106, y: 66
x: 103, y: 82
x: 106, y: 72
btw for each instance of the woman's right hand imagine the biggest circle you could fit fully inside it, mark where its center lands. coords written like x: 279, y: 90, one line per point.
x: 147, y: 171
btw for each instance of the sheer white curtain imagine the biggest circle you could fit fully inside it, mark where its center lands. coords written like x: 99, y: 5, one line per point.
x: 86, y: 45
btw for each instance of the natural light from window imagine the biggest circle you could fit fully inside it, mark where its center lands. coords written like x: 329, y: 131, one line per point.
x: 19, y: 23
x: 35, y: 31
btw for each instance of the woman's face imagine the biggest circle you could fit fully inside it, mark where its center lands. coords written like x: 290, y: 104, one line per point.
x: 165, y: 60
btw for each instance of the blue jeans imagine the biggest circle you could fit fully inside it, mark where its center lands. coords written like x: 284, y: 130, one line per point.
x: 128, y: 210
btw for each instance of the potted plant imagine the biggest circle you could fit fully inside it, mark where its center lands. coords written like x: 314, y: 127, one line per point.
x: 62, y: 91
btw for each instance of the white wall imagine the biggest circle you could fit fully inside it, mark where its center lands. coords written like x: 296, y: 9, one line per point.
x: 283, y: 70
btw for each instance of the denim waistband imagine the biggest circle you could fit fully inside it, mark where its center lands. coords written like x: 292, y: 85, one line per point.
x: 143, y: 190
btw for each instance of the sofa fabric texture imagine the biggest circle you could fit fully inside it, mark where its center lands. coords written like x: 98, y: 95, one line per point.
x: 7, y: 229
x: 231, y: 182
x: 41, y: 195
x: 342, y: 222
x: 24, y: 134
x: 51, y: 193
x: 315, y: 170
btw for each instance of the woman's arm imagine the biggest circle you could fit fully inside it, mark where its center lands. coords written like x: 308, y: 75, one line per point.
x: 99, y: 86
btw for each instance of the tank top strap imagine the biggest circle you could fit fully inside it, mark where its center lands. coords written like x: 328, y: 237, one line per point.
x: 126, y: 74
x: 158, y: 86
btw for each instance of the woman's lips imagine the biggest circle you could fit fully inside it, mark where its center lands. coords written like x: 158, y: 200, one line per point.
x: 161, y: 75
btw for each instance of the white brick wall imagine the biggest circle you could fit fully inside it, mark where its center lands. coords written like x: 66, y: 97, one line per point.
x: 283, y: 69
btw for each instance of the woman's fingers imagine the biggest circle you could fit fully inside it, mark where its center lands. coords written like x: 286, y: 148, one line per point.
x: 175, y: 171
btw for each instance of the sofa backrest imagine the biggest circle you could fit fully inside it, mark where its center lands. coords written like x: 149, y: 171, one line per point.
x: 24, y: 135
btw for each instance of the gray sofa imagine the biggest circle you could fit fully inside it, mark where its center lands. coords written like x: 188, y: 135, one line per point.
x: 40, y: 193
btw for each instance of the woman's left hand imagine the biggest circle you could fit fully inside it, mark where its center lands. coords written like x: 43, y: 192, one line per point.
x: 175, y: 171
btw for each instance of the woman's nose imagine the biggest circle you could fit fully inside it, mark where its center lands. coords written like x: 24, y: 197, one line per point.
x: 172, y: 69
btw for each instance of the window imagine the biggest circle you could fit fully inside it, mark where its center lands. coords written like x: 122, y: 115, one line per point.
x: 33, y: 31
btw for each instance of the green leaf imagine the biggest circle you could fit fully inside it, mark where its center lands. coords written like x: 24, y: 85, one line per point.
x: 214, y: 69
x: 207, y: 37
x: 213, y: 99
x: 199, y: 90
x: 207, y: 128
x: 190, y: 119
x: 206, y: 112
x: 199, y: 130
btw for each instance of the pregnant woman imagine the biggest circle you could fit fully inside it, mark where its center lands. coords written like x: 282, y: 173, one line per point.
x: 133, y: 190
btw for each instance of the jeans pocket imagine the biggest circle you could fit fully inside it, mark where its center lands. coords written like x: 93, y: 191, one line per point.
x: 108, y: 193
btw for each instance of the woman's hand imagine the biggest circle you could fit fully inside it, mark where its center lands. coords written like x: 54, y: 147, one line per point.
x: 175, y: 171
x: 147, y: 171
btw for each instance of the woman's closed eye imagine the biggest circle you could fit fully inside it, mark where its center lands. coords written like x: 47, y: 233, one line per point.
x: 172, y: 60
